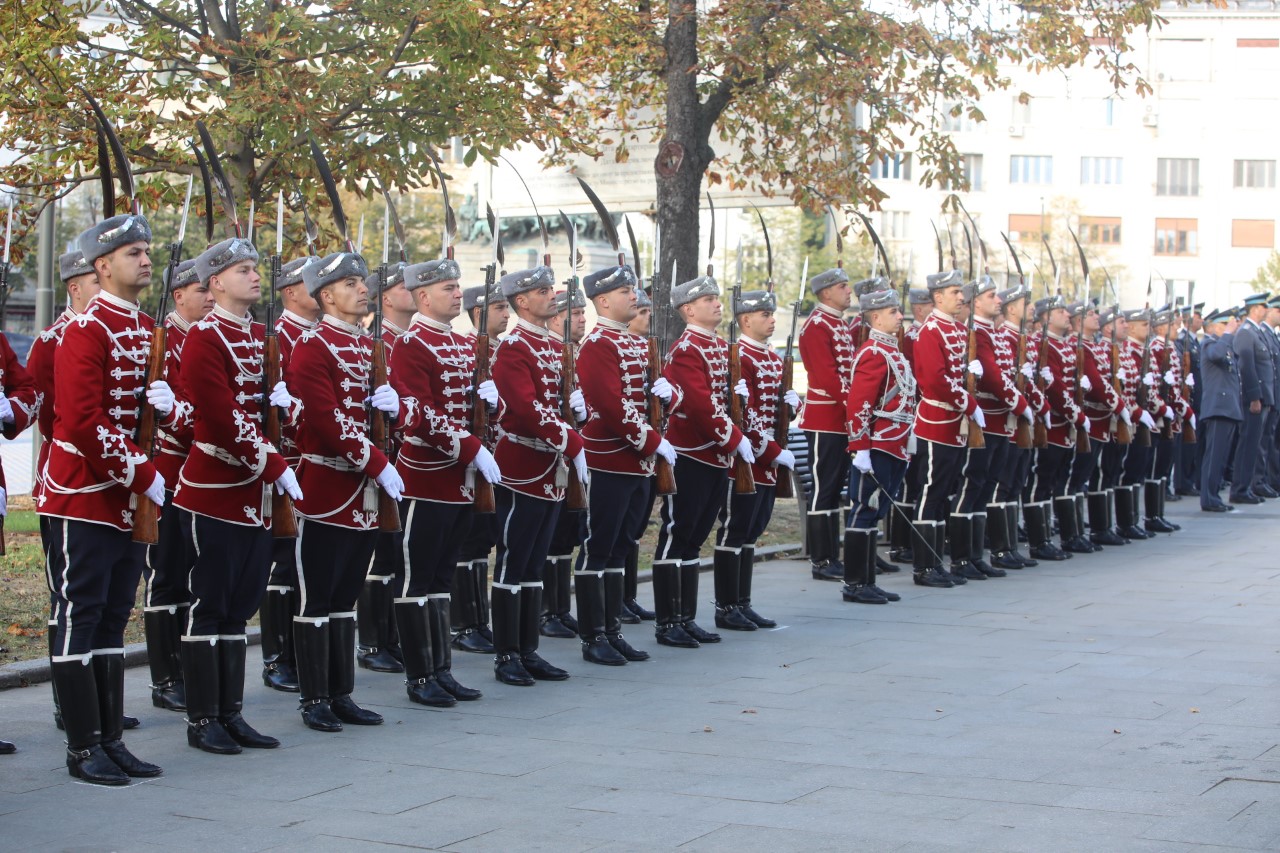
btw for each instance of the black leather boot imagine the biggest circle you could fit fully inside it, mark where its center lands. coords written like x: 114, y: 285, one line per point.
x: 205, y: 731
x: 550, y: 624
x: 108, y: 673
x: 78, y: 691
x: 311, y: 642
x: 1112, y: 524
x: 977, y: 546
x: 689, y: 571
x: 927, y: 568
x: 467, y: 600
x: 342, y: 672
x: 856, y: 554
x: 563, y: 603
x: 1064, y: 508
x: 373, y: 623
x: 959, y: 530
x: 1011, y: 511
x: 1127, y: 518
x: 614, y: 589
x: 530, y: 611
x: 279, y: 663
x: 231, y: 659
x: 7, y: 748
x: 1152, y: 494
x: 164, y: 631
x: 873, y: 542
x: 818, y: 539
x: 667, y: 627
x: 998, y: 534
x: 1164, y: 496
x: 835, y: 538
x: 442, y: 653
x: 633, y: 587
x: 589, y: 590
x: 725, y: 571
x: 900, y: 533
x: 746, y: 573
x: 51, y: 634
x: 421, y: 685
x: 1037, y: 517
x: 480, y: 576
x: 507, y: 666
x: 1100, y: 532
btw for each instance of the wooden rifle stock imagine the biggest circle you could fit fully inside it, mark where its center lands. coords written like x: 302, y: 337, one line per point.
x: 1188, y: 431
x: 664, y: 475
x: 1022, y: 432
x: 482, y: 492
x: 975, y: 438
x: 1040, y: 436
x: 575, y: 492
x: 1124, y: 435
x: 782, y: 425
x: 1083, y: 444
x: 388, y: 507
x: 146, y: 516
x: 744, y: 482
x: 283, y: 523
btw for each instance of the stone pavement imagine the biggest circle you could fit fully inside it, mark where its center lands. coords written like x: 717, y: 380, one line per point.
x: 1122, y: 701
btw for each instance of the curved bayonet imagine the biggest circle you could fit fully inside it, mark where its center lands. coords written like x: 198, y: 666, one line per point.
x: 711, y: 240
x: 635, y: 247
x: 835, y: 223
x: 1013, y: 253
x: 938, y: 239
x: 186, y: 208
x: 768, y: 250
x: 982, y: 245
x: 542, y: 225
x: 880, y: 249
x: 220, y: 181
x: 1084, y: 262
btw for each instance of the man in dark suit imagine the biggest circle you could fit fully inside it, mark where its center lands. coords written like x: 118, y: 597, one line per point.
x: 1257, y: 382
x: 1187, y: 343
x: 1220, y: 411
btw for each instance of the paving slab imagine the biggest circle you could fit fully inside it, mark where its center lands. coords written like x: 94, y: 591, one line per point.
x: 1127, y: 697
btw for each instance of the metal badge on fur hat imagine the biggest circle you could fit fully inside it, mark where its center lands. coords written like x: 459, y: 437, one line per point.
x: 186, y: 274
x: 642, y: 299
x: 110, y: 234
x: 522, y: 281
x: 940, y: 280
x: 602, y: 281
x: 72, y: 264
x: 1137, y: 315
x: 750, y: 301
x: 291, y: 273
x: 562, y: 299
x: 333, y: 268
x: 870, y: 285
x: 1009, y: 294
x: 432, y: 272
x: 703, y: 285
x: 823, y: 280
x: 984, y: 284
x: 221, y: 256
x: 919, y: 296
x: 877, y: 299
x: 472, y: 297
x: 1162, y: 317
x: 395, y: 275
x: 1048, y: 303
x: 1108, y: 314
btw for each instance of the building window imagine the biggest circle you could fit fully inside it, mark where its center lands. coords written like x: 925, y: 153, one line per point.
x: 1253, y: 233
x: 1100, y: 229
x: 971, y: 167
x: 1255, y: 174
x: 1177, y: 237
x: 957, y: 123
x: 1030, y: 169
x: 1177, y: 176
x: 1100, y: 170
x: 1025, y: 227
x: 895, y: 167
x: 895, y: 224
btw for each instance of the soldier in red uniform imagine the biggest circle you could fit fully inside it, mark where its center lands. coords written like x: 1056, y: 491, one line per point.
x: 1104, y: 408
x: 1167, y: 366
x: 705, y: 440
x: 826, y: 348
x: 941, y: 424
x: 633, y: 613
x: 621, y: 449
x: 900, y: 535
x: 744, y: 517
x: 537, y: 452
x: 557, y: 574
x: 166, y: 594
x: 881, y: 407
x: 340, y: 473
x: 1120, y: 506
x: 299, y: 314
x: 224, y: 488
x: 92, y: 481
x: 470, y: 603
x: 378, y: 648
x: 1140, y: 385
x: 439, y: 459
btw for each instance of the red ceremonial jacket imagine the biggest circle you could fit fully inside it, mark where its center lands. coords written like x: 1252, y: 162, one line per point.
x: 700, y: 427
x: 826, y: 349
x: 882, y: 399
x: 1060, y: 391
x: 289, y: 330
x: 329, y: 374
x: 1102, y: 405
x: 1029, y: 390
x: 613, y: 375
x: 20, y: 388
x: 940, y: 350
x: 95, y: 471
x: 535, y: 443
x: 40, y: 368
x: 996, y: 389
x: 172, y: 446
x: 762, y: 369
x: 1164, y: 357
x: 231, y: 467
x: 1142, y: 398
x: 909, y: 343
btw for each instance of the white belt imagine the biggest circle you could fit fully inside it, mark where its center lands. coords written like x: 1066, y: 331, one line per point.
x: 217, y: 453
x: 535, y: 443
x: 67, y: 446
x: 337, y: 463
x: 946, y: 407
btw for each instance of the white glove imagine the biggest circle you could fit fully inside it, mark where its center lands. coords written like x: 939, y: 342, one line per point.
x: 287, y: 483
x: 785, y: 459
x: 1029, y: 370
x: 666, y: 451
x: 1029, y: 415
x: 744, y: 450
x: 578, y: 404
x: 742, y: 390
x: 1147, y: 421
x: 1150, y: 380
x: 385, y: 399
x: 1191, y: 380
x: 975, y: 367
x: 1193, y: 421
x: 792, y: 399
x: 862, y: 461
x: 662, y: 389
x: 1169, y: 378
x: 580, y: 465
x: 4, y: 503
x: 1085, y: 384
x: 1126, y: 417
x: 6, y: 409
x: 155, y: 492
x: 280, y: 396
x: 1046, y: 374
x: 390, y: 481
x: 487, y: 466
x: 488, y: 392
x: 1120, y: 374
x: 160, y: 397
x: 979, y: 418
